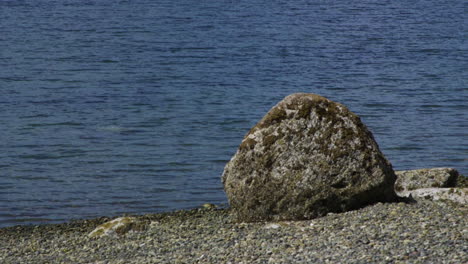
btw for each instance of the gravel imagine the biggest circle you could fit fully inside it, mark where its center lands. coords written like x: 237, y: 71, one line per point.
x: 421, y: 232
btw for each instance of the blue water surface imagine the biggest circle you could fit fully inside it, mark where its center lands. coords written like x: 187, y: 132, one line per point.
x: 110, y: 107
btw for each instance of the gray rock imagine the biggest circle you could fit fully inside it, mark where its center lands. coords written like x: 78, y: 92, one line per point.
x: 458, y: 195
x: 118, y: 227
x: 308, y: 156
x: 462, y: 182
x: 426, y: 178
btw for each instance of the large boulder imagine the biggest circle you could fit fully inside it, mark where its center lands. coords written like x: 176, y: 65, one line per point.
x: 308, y: 156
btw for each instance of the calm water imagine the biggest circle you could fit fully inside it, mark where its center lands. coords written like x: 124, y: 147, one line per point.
x: 110, y: 107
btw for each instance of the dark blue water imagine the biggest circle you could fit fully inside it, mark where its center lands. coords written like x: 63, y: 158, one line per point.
x: 110, y: 107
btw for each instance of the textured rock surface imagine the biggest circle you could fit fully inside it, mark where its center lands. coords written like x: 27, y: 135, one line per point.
x: 458, y: 195
x: 462, y: 182
x: 308, y: 156
x: 117, y: 227
x: 425, y: 178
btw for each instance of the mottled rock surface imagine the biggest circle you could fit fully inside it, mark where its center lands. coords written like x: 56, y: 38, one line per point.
x: 117, y: 227
x: 426, y: 178
x: 308, y: 156
x: 462, y: 182
x: 457, y: 195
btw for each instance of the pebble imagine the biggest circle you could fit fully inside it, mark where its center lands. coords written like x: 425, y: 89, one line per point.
x: 422, y: 232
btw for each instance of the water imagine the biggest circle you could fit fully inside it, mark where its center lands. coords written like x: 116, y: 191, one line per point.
x: 111, y: 107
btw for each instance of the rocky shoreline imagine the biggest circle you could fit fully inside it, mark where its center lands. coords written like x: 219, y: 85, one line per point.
x: 308, y: 184
x: 424, y: 231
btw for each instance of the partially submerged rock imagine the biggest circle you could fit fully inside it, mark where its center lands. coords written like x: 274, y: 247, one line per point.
x: 426, y: 178
x: 308, y: 156
x: 117, y: 227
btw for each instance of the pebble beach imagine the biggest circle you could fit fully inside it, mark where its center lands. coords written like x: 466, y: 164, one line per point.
x: 424, y: 231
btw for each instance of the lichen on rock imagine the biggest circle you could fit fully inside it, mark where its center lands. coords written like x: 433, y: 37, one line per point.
x: 306, y: 157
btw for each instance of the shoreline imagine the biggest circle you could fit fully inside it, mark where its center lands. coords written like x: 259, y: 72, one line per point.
x: 462, y: 182
x: 421, y: 232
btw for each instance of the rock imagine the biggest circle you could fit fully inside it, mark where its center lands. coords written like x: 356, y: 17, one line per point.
x: 272, y: 226
x: 425, y: 178
x: 458, y: 195
x: 306, y: 157
x: 117, y: 227
x: 209, y: 206
x: 462, y: 182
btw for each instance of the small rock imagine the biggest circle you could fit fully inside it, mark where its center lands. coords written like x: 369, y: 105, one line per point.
x: 458, y: 195
x: 272, y: 226
x: 117, y: 227
x: 462, y: 182
x: 209, y: 206
x: 426, y: 178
